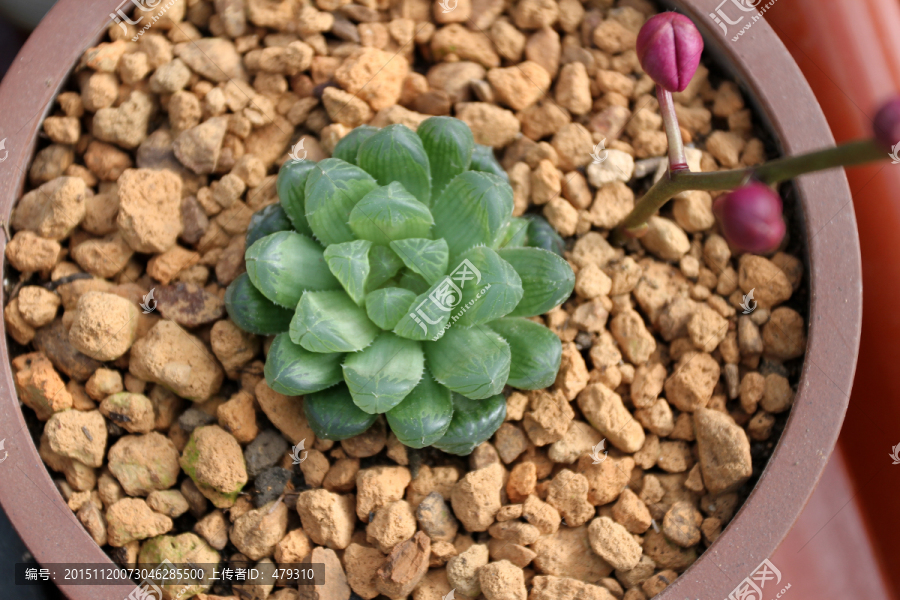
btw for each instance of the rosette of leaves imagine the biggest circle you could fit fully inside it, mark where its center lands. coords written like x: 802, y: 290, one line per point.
x: 397, y: 282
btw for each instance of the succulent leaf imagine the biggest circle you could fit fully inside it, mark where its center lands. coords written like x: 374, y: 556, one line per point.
x: 385, y: 307
x: 426, y: 317
x: 285, y: 264
x: 547, y: 279
x: 427, y: 258
x: 536, y: 352
x: 332, y: 190
x: 493, y: 292
x: 331, y: 322
x: 267, y: 221
x: 383, y: 265
x: 471, y: 211
x: 332, y: 415
x: 380, y: 376
x: 449, y: 144
x: 390, y: 213
x: 514, y: 235
x: 474, y: 422
x: 395, y: 153
x: 411, y: 280
x: 483, y: 160
x: 542, y: 235
x: 424, y: 416
x: 348, y: 147
x: 253, y: 312
x: 349, y: 263
x: 474, y: 362
x: 291, y: 187
x: 292, y: 370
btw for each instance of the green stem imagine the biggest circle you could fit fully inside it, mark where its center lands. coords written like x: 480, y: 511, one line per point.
x: 677, y: 158
x: 674, y: 182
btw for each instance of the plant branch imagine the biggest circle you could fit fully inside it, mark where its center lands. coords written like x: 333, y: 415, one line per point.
x: 677, y: 158
x: 676, y: 181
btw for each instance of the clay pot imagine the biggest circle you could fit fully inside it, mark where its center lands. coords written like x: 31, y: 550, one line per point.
x: 758, y: 60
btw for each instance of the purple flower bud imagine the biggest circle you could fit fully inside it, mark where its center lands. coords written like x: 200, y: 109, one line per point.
x: 669, y: 48
x: 750, y: 218
x: 887, y: 123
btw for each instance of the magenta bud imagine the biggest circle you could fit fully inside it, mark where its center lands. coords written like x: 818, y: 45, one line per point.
x: 750, y: 218
x: 887, y: 123
x: 669, y: 48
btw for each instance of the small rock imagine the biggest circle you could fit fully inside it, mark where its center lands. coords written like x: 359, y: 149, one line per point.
x: 491, y: 125
x: 213, y: 460
x: 125, y: 125
x: 327, y: 518
x: 608, y: 479
x: 784, y: 335
x: 568, y: 493
x: 104, y: 326
x: 215, y: 59
x: 170, y: 356
x: 264, y: 452
x: 214, y: 529
x: 270, y: 485
x: 567, y: 553
x: 103, y: 383
x: 605, y: 411
x: 502, y: 580
x: 614, y: 544
x: 293, y: 547
x: 549, y: 587
x: 682, y: 524
x: 256, y: 532
x: 520, y: 86
x: 374, y: 76
x: 692, y: 381
x: 392, y: 524
x: 476, y: 497
x: 551, y: 417
x: 238, y: 417
x: 618, y: 166
x: 665, y: 554
x: 335, y: 586
x: 285, y: 413
x: 769, y: 283
x: 149, y: 217
x: 368, y: 443
x: 631, y: 512
x: 144, y: 463
x: 199, y: 148
x: 405, y: 567
x: 80, y: 435
x: 53, y: 210
x: 171, y: 503
x: 39, y: 386
x: 132, y: 412
x: 29, y: 253
x: 462, y: 570
x: 182, y: 549
x: 362, y: 564
x: 379, y: 486
x: 541, y: 515
x: 724, y: 451
x: 665, y: 239
x: 131, y: 519
x: 435, y: 518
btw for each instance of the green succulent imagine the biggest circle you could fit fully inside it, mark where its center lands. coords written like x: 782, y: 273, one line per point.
x: 397, y: 282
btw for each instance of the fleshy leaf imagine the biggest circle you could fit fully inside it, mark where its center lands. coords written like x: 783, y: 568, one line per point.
x: 332, y: 190
x: 426, y: 317
x: 383, y: 265
x: 536, y: 352
x: 426, y: 257
x: 332, y: 415
x: 253, y: 312
x: 490, y: 287
x: 293, y: 370
x: 472, y: 211
x: 348, y: 147
x: 331, y: 322
x: 395, y: 153
x: 291, y: 186
x: 380, y: 376
x: 547, y: 279
x: 424, y: 416
x: 474, y: 362
x: 542, y: 235
x: 385, y: 307
x: 483, y: 160
x: 349, y: 263
x: 285, y: 264
x: 449, y: 145
x: 266, y: 221
x: 474, y: 422
x: 411, y: 280
x: 515, y: 234
x: 390, y: 213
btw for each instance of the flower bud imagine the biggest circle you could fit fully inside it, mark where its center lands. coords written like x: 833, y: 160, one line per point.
x: 669, y: 48
x: 887, y: 123
x: 750, y: 218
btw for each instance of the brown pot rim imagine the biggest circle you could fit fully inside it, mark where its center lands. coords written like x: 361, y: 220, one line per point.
x: 764, y: 68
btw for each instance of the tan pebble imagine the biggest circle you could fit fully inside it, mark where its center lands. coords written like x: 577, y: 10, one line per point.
x: 393, y: 523
x: 521, y: 483
x: 724, y: 451
x: 379, y: 486
x: 568, y: 553
x: 213, y: 528
x: 502, y: 580
x: 491, y: 125
x: 605, y: 411
x: 168, y: 502
x: 131, y: 519
x: 778, y: 396
x: 362, y: 564
x: 53, y: 210
x: 550, y: 587
x: 580, y: 439
x: 78, y: 435
x: 784, y: 335
x: 692, y: 381
x: 568, y: 493
x: 550, y: 419
x: 574, y: 145
x: 405, y: 567
x: 573, y: 87
x: 476, y: 497
x: 462, y: 570
x: 327, y: 518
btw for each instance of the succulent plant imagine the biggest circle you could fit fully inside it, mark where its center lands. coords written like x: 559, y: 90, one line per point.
x: 397, y: 282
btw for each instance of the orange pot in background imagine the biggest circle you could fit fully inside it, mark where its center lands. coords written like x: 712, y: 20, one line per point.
x: 849, y: 51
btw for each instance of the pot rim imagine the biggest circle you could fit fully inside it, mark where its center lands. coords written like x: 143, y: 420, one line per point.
x: 761, y: 65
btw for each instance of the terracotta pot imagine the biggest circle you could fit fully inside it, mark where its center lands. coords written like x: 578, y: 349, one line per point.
x: 768, y: 74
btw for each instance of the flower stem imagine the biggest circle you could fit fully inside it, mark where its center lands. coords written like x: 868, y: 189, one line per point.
x: 677, y: 158
x: 676, y: 181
